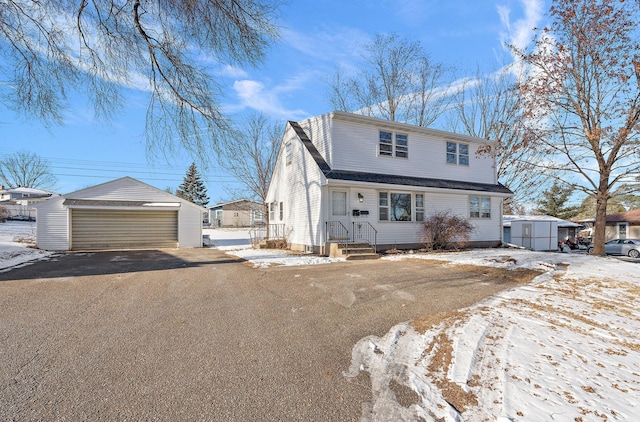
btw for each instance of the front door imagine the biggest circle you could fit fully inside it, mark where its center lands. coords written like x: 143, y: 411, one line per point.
x: 622, y: 230
x: 339, y: 221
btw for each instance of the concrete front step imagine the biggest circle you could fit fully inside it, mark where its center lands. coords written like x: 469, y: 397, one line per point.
x: 359, y: 256
x: 352, y: 250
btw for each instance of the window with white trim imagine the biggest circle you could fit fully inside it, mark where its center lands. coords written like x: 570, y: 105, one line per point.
x: 288, y: 152
x: 479, y: 207
x: 419, y: 207
x: 272, y: 210
x: 338, y: 203
x: 390, y: 144
x: 281, y: 211
x: 457, y: 153
x: 394, y: 206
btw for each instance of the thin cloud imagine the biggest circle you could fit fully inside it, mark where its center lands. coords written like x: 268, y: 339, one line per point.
x: 255, y: 95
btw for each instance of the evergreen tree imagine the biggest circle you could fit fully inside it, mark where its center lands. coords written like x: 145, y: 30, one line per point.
x: 192, y: 188
x: 553, y: 202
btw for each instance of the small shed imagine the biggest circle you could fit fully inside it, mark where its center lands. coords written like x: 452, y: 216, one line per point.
x: 121, y: 214
x: 537, y: 232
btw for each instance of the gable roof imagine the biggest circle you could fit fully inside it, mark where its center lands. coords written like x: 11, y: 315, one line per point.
x: 239, y: 204
x: 358, y: 176
x: 125, y: 191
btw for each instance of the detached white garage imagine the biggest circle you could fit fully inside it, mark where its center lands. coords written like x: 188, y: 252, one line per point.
x: 121, y: 214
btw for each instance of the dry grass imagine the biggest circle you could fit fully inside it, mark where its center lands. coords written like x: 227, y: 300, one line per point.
x: 441, y: 352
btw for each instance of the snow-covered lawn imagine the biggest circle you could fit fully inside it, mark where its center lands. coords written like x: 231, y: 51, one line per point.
x: 564, y: 347
x: 237, y: 242
x: 17, y: 239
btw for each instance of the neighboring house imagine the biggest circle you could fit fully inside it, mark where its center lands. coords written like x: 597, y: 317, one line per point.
x: 538, y: 232
x: 19, y: 201
x: 620, y: 225
x: 342, y: 176
x: 121, y: 214
x: 240, y: 213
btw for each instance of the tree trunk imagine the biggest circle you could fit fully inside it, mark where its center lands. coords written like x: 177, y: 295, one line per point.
x: 602, y: 197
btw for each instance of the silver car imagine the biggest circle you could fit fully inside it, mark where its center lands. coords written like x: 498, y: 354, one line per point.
x: 629, y: 247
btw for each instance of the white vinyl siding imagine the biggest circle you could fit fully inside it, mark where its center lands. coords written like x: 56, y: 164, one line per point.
x: 355, y: 147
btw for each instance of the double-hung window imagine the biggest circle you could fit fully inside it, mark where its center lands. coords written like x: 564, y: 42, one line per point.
x: 479, y: 207
x: 281, y: 209
x: 457, y: 153
x: 393, y: 144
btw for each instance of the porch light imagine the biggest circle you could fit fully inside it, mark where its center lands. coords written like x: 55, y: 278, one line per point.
x: 360, y: 197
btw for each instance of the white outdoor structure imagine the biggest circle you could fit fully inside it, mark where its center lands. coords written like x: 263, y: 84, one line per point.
x: 121, y: 214
x: 344, y: 176
x: 538, y: 232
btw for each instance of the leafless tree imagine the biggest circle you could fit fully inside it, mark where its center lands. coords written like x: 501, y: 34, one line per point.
x: 53, y: 49
x: 398, y: 82
x: 26, y: 169
x: 582, y: 97
x: 251, y: 156
x: 488, y: 107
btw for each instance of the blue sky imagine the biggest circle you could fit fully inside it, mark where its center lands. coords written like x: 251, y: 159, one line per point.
x: 316, y: 37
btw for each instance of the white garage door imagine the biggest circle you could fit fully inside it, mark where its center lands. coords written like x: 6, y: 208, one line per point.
x: 120, y: 229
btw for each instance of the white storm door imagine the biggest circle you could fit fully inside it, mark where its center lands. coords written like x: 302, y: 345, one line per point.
x: 340, y: 212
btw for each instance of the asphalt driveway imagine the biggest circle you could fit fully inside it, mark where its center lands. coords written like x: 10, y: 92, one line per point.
x: 196, y: 335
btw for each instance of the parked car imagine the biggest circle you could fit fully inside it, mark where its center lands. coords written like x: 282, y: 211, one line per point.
x: 629, y: 247
x: 22, y: 218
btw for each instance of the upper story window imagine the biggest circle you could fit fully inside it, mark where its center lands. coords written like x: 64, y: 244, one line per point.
x: 457, y: 153
x: 391, y: 144
x: 479, y: 207
x: 288, y: 153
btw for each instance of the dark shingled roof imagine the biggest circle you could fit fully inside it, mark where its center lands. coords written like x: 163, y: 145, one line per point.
x: 631, y: 216
x: 357, y: 176
x: 425, y: 182
x: 318, y: 158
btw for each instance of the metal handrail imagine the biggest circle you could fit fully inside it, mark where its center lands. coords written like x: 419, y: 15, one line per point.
x: 269, y: 232
x: 363, y: 230
x: 336, y: 231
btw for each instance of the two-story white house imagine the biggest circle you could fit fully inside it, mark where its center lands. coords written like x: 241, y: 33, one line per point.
x: 342, y: 176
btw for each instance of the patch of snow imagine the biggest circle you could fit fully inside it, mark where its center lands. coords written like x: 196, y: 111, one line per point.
x: 564, y: 347
x: 237, y: 242
x: 14, y: 251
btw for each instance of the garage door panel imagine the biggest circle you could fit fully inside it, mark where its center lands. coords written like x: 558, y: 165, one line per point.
x: 123, y: 229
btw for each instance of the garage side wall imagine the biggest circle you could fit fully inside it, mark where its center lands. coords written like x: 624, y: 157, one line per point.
x: 189, y: 227
x: 52, y: 225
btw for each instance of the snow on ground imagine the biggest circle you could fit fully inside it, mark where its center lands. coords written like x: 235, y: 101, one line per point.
x: 565, y: 347
x: 15, y: 239
x: 237, y: 242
